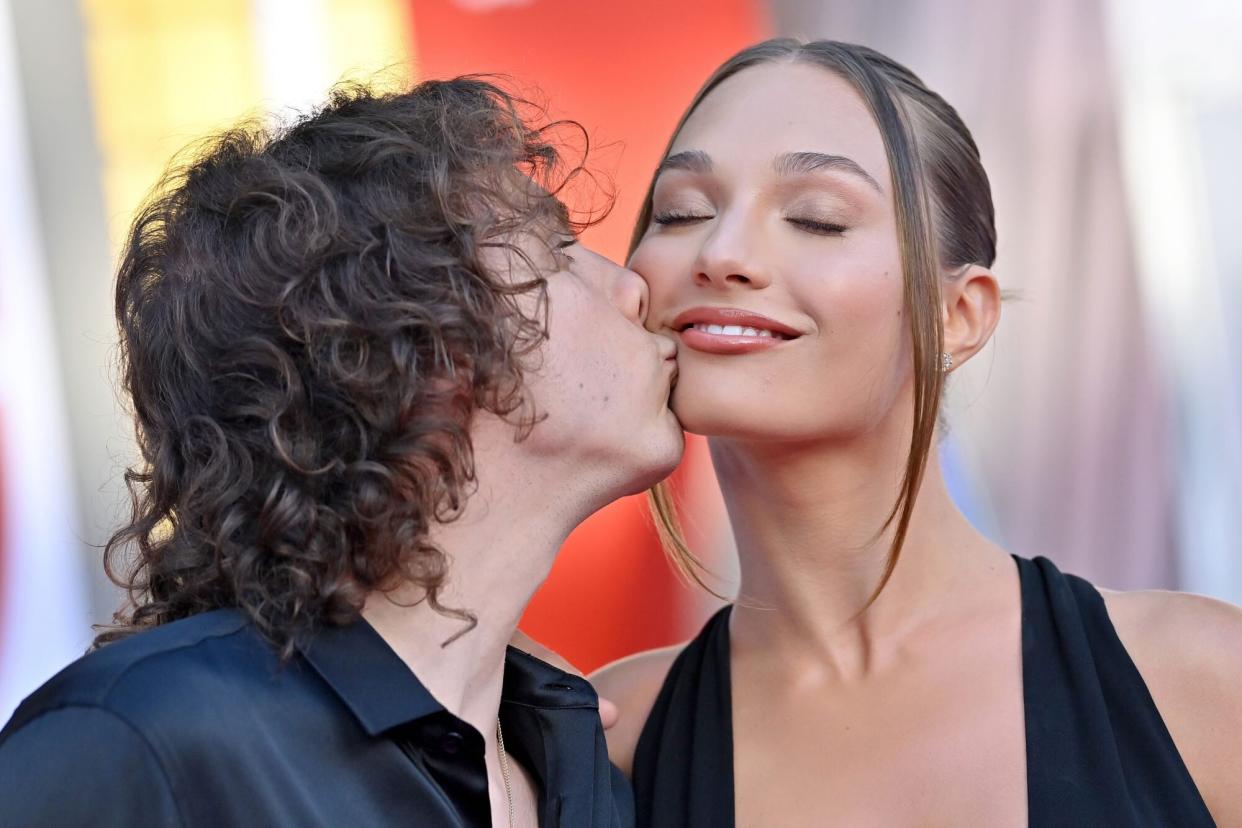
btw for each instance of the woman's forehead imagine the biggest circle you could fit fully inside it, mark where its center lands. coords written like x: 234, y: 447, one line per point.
x: 771, y: 111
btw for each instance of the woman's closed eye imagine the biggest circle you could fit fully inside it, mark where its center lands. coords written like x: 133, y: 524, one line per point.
x: 817, y: 226
x: 675, y: 217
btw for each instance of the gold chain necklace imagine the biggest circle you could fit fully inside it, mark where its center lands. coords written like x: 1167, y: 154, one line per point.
x: 504, y: 768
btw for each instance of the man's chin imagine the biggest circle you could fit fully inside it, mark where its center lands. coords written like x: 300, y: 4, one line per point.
x: 663, y: 460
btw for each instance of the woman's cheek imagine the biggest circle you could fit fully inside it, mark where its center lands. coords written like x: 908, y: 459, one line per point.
x: 661, y: 264
x: 848, y: 285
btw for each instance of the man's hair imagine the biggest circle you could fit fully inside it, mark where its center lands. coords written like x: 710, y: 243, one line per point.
x: 307, y: 326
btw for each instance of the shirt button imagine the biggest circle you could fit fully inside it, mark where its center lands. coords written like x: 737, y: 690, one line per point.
x: 451, y: 743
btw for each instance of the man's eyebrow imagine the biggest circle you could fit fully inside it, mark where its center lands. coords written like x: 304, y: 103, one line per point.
x: 695, y: 161
x: 794, y: 163
x: 560, y: 216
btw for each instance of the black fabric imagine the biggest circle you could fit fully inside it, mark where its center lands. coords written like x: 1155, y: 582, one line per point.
x: 683, y: 763
x: 197, y: 723
x: 1098, y: 753
x: 1097, y: 750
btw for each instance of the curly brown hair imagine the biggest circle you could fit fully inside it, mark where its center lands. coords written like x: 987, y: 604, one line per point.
x: 307, y: 326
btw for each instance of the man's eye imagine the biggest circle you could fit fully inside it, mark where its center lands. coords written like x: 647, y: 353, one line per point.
x: 675, y: 218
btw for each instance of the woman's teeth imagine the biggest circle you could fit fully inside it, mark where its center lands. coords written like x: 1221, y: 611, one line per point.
x: 732, y: 330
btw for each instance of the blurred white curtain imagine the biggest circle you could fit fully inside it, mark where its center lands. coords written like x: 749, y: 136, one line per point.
x: 1180, y: 82
x: 1064, y: 422
x: 44, y: 606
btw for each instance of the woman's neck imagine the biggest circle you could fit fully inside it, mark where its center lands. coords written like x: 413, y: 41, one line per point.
x: 808, y: 522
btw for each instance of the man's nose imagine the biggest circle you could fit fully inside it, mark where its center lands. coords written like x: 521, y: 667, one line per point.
x: 629, y: 294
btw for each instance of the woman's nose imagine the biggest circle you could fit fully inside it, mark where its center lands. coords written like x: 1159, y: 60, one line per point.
x: 728, y: 259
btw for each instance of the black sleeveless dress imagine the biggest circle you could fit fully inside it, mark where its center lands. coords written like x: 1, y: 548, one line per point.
x: 1097, y: 752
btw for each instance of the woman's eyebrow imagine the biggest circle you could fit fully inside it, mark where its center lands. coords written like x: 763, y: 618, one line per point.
x: 795, y: 163
x: 695, y: 161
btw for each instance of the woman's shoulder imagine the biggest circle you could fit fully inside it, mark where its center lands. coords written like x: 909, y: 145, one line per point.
x: 1188, y: 648
x: 1189, y: 642
x: 632, y: 684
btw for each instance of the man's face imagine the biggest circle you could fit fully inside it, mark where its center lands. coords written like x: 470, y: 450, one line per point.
x: 601, y: 381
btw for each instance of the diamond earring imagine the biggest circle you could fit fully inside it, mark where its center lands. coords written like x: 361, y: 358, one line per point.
x: 946, y: 361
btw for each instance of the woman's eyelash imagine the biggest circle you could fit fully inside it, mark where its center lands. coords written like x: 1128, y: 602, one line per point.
x: 824, y: 228
x: 677, y: 218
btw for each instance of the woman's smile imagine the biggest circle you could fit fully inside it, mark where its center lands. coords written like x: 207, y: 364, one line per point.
x: 717, y: 330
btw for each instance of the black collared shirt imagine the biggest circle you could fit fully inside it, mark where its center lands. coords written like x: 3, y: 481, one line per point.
x: 197, y: 723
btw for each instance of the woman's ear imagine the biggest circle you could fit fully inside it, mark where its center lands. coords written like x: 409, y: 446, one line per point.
x: 972, y: 305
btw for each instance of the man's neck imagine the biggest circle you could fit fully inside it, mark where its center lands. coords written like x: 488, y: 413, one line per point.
x: 498, y: 552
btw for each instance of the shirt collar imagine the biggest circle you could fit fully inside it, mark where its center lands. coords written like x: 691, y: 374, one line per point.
x: 534, y: 683
x: 371, y: 679
x: 382, y: 692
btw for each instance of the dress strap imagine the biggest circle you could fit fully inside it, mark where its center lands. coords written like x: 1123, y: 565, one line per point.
x: 683, y: 763
x: 1098, y: 753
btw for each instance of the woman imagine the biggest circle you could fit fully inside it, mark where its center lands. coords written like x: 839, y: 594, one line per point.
x: 819, y: 237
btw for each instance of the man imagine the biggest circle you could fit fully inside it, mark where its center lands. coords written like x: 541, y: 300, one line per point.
x: 376, y: 383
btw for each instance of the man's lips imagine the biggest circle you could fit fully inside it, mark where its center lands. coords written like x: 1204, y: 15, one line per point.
x: 730, y: 330
x: 668, y: 350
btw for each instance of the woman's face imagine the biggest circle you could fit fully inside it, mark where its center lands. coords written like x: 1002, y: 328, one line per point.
x: 772, y: 257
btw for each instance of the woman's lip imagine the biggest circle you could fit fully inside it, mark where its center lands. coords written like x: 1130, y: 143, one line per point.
x: 730, y: 316
x: 710, y: 343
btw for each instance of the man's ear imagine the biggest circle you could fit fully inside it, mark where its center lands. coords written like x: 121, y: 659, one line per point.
x: 972, y: 305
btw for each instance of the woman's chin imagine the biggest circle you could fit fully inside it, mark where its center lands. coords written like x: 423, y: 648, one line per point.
x: 750, y: 423
x: 731, y: 424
